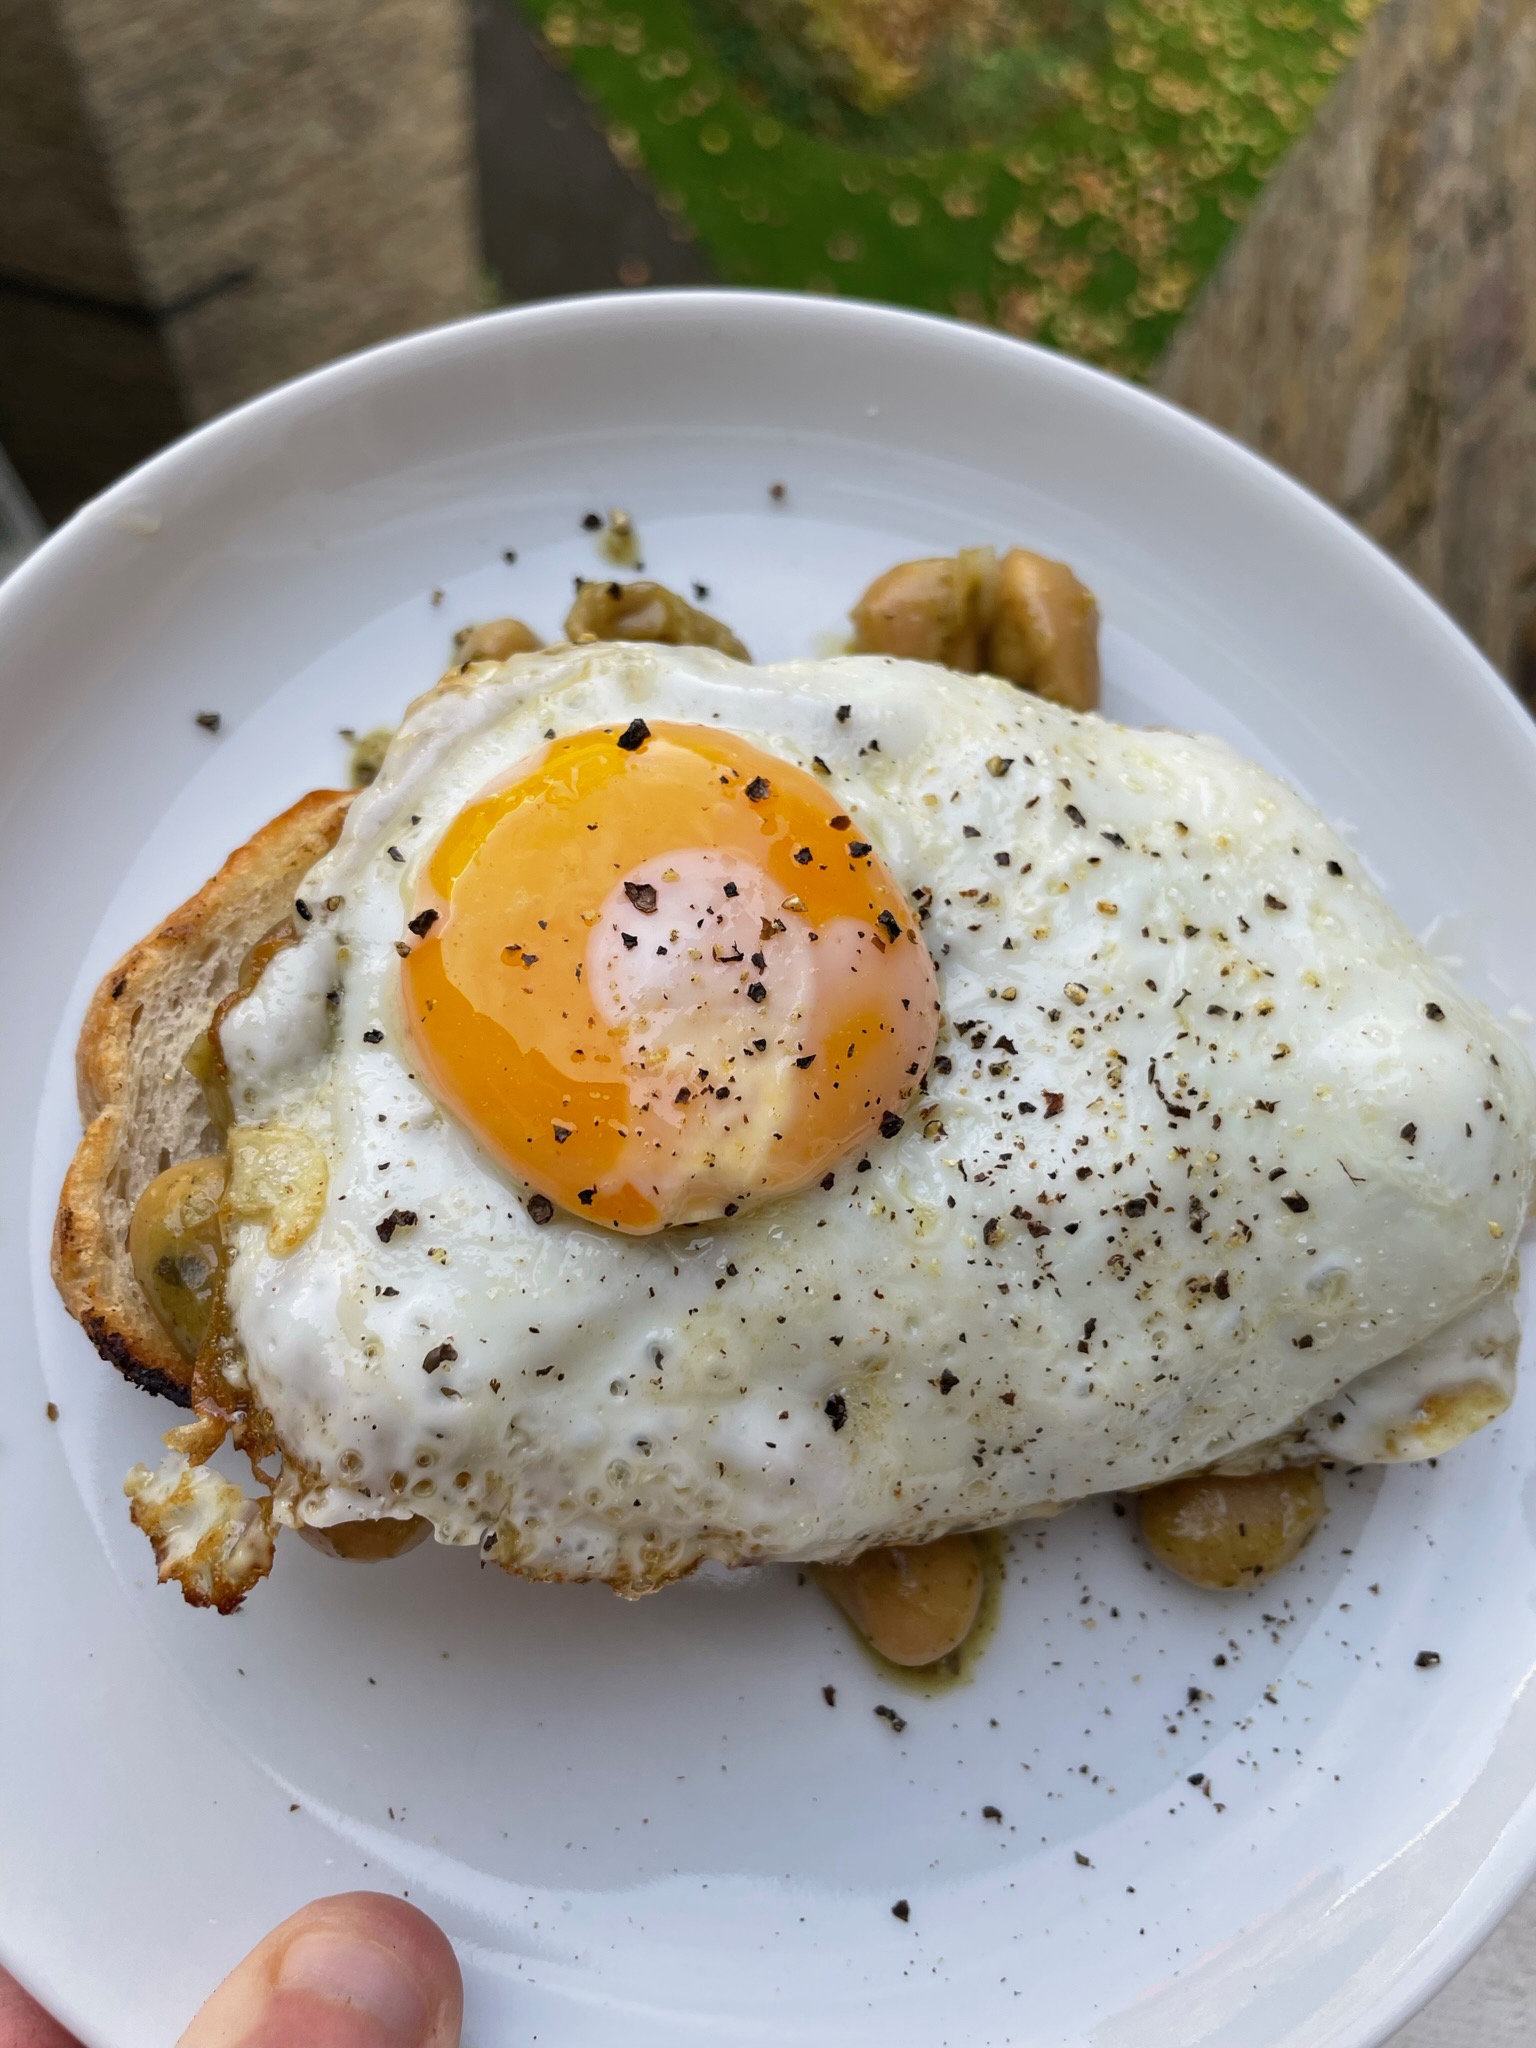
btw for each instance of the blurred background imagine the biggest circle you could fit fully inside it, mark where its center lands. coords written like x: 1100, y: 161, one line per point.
x: 1312, y: 221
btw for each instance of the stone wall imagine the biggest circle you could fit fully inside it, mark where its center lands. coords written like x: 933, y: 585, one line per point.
x: 1373, y: 328
x: 200, y: 198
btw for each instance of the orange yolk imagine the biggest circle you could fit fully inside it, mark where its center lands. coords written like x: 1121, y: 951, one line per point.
x: 666, y: 977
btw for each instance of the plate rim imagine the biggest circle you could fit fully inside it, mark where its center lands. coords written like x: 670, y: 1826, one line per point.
x: 1242, y: 464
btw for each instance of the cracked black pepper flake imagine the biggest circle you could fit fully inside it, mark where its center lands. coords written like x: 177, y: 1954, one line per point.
x: 585, y: 1196
x: 947, y: 1381
x: 890, y: 1714
x: 1409, y: 1134
x: 302, y: 908
x: 630, y: 941
x: 778, y: 493
x: 805, y: 1060
x: 642, y: 895
x: 394, y: 853
x: 1297, y: 1204
x: 802, y: 856
x: 509, y: 556
x: 890, y: 1124
x: 758, y: 788
x: 1335, y: 867
x: 1054, y: 1103
x: 1434, y: 1013
x: 859, y: 847
x: 440, y: 1354
x: 1075, y: 815
x: 1272, y: 902
x: 591, y: 522
x: 1303, y: 1343
x: 374, y: 1037
x: 756, y: 992
x: 992, y: 1813
x: 888, y: 925
x: 844, y: 713
x: 836, y: 1411
x: 700, y: 591
x: 540, y: 1208
x: 634, y: 735
x: 829, y: 1694
x: 827, y: 1179
x: 902, y: 1910
x: 210, y: 721
x: 397, y: 1219
x: 1426, y: 1660
x: 422, y: 923
x: 1079, y: 1857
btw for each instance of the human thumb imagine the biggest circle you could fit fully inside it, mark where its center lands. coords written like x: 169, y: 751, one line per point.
x: 358, y: 1971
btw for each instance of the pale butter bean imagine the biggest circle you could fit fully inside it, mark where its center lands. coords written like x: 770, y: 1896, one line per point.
x: 1220, y: 1533
x: 912, y: 1604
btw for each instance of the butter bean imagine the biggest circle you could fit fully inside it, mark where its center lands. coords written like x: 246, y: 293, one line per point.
x: 911, y: 1604
x: 1044, y: 632
x: 646, y: 611
x: 369, y: 1542
x: 932, y: 610
x: 496, y: 640
x: 1220, y: 1533
x: 175, y: 1249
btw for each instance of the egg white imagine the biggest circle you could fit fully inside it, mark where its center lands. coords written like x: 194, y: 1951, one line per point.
x: 1158, y: 1204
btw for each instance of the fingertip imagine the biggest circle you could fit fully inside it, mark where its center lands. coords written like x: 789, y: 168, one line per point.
x: 402, y: 1931
x: 24, y: 2024
x: 358, y: 1970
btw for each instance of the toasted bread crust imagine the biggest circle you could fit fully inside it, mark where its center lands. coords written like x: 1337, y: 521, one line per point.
x: 141, y: 1110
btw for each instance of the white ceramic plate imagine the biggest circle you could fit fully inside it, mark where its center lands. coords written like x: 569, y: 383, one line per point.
x: 643, y: 1822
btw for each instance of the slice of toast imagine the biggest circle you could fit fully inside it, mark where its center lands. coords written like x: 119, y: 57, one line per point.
x: 141, y: 1109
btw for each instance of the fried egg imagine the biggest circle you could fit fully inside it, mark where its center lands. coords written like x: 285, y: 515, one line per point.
x: 761, y: 1114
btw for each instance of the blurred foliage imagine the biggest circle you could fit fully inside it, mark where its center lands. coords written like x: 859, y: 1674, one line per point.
x: 903, y: 76
x: 1066, y: 171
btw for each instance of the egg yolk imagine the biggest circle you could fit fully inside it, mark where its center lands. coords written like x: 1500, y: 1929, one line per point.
x: 659, y: 975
